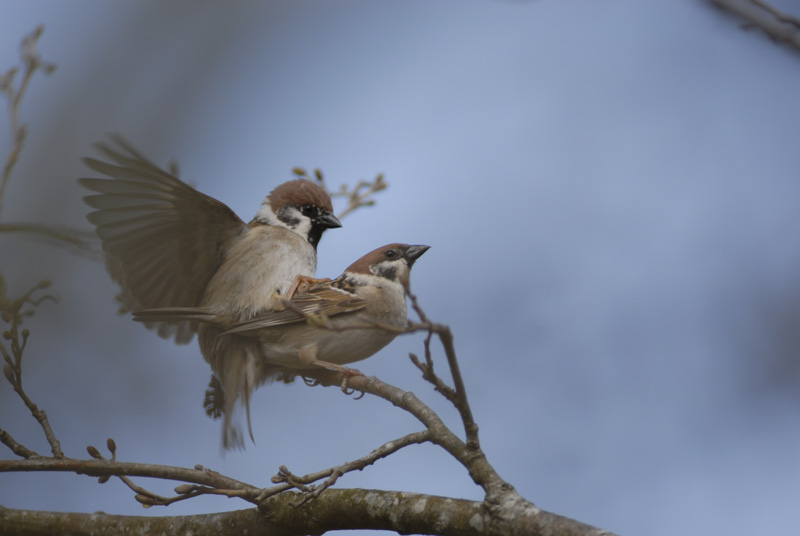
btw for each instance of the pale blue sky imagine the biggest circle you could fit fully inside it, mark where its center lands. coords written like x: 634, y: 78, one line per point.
x: 610, y: 191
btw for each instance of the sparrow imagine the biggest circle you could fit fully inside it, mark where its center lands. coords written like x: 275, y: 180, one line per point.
x: 169, y: 245
x: 324, y: 326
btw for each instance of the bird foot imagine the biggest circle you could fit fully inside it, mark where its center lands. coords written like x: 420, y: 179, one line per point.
x: 346, y: 373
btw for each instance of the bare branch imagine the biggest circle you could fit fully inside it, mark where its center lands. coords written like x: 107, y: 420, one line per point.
x: 80, y: 241
x: 101, y: 467
x: 333, y: 474
x: 473, y: 460
x: 12, y: 370
x: 357, y: 197
x: 148, y: 498
x: 780, y: 27
x: 32, y: 62
x: 366, y: 509
x: 788, y: 19
x: 446, y: 337
x: 17, y: 448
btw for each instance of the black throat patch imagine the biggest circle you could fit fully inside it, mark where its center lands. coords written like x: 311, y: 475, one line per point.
x: 315, y: 234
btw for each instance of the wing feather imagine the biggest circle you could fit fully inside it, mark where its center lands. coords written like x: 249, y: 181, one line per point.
x: 163, y: 239
x: 319, y: 300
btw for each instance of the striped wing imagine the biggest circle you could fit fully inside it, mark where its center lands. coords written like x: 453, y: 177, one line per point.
x: 320, y: 300
x: 163, y: 239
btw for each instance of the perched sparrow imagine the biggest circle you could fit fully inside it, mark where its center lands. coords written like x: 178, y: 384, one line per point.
x: 168, y: 245
x: 355, y: 316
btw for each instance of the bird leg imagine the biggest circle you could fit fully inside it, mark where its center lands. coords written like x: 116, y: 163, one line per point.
x: 308, y: 357
x: 347, y: 372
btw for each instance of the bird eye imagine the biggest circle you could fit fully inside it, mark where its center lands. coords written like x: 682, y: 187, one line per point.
x: 391, y: 254
x: 308, y: 209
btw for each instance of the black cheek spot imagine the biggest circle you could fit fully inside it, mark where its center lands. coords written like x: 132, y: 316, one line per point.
x: 288, y: 217
x: 387, y: 270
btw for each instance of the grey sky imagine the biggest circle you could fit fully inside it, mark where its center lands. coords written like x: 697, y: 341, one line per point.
x: 610, y: 191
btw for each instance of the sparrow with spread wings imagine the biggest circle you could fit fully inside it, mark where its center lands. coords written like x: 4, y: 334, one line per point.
x: 169, y: 245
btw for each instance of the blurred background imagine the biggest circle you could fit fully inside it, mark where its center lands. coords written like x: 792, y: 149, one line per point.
x: 610, y: 190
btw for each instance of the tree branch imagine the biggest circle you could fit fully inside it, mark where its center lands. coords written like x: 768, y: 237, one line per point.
x: 32, y: 62
x: 366, y: 509
x: 80, y: 241
x: 100, y: 468
x: 333, y: 474
x: 12, y: 370
x: 780, y: 27
x: 357, y: 197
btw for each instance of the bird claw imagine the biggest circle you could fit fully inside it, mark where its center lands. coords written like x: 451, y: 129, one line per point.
x: 311, y: 382
x: 348, y: 373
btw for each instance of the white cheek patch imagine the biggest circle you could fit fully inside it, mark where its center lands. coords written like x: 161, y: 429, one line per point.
x: 393, y: 270
x: 265, y: 214
x: 303, y: 222
x: 369, y: 280
x: 298, y: 222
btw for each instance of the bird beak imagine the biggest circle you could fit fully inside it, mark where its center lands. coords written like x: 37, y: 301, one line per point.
x: 327, y: 220
x: 415, y: 252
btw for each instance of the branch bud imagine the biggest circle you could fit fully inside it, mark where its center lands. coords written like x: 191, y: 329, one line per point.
x: 94, y: 453
x: 183, y: 489
x: 9, y: 374
x: 145, y: 501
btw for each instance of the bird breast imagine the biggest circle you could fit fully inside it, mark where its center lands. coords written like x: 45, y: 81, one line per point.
x: 264, y: 260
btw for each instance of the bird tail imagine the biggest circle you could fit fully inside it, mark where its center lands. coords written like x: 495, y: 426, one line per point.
x: 177, y: 314
x: 238, y: 383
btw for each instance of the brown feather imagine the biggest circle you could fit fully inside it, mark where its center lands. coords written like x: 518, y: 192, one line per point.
x: 320, y: 299
x: 162, y: 237
x: 297, y: 192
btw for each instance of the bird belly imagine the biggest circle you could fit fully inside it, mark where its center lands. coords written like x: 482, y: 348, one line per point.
x: 333, y: 347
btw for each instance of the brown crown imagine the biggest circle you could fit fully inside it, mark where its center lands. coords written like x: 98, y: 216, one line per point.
x: 299, y: 192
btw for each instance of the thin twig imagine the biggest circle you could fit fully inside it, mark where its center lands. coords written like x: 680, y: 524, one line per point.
x: 361, y: 195
x: 446, y: 338
x: 783, y: 17
x: 148, y: 498
x: 17, y: 448
x: 438, y: 384
x: 285, y: 476
x: 32, y: 62
x: 97, y: 468
x: 357, y: 197
x: 778, y: 26
x: 12, y: 314
x: 81, y: 241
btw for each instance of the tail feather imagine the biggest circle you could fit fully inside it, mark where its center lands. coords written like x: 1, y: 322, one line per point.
x: 238, y: 384
x: 176, y: 314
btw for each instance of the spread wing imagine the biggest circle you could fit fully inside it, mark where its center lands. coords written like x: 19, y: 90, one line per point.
x: 163, y: 239
x: 321, y: 300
